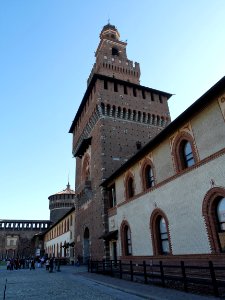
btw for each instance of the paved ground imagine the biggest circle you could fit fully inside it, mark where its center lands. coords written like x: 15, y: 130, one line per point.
x: 75, y: 283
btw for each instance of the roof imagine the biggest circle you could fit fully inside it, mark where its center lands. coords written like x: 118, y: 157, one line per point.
x: 192, y: 110
x: 109, y: 26
x: 112, y: 79
x: 67, y: 191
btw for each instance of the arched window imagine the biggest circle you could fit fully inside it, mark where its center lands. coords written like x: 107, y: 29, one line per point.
x: 108, y: 110
x: 160, y: 233
x: 147, y: 174
x: 113, y: 111
x: 126, y: 239
x: 184, y: 152
x: 115, y: 51
x: 164, y: 241
x: 124, y: 113
x: 220, y: 212
x: 213, y: 210
x: 127, y: 236
x: 103, y: 108
x: 139, y: 116
x: 86, y: 168
x: 149, y: 177
x: 130, y: 187
x: 129, y: 114
x: 119, y: 112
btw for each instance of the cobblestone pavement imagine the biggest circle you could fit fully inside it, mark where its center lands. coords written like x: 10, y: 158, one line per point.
x: 76, y: 283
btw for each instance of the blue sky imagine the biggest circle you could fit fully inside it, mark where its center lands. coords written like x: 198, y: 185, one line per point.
x: 47, y: 52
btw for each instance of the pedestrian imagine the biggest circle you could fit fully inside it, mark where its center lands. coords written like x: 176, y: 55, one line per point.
x: 47, y: 264
x: 33, y: 264
x: 38, y: 263
x: 51, y: 265
x: 8, y: 264
x: 78, y: 260
x: 11, y: 264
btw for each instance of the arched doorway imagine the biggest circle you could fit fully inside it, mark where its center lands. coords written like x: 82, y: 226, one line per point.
x: 86, y: 246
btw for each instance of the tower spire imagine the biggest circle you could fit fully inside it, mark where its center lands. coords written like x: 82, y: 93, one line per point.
x: 68, y: 184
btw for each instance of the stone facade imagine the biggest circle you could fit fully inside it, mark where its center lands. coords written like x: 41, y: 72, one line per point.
x: 59, y: 238
x: 116, y: 117
x: 187, y: 197
x: 16, y: 237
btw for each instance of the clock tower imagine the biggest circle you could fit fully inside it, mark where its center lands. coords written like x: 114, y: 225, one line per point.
x: 116, y: 117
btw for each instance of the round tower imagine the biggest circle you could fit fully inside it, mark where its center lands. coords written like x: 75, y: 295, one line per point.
x: 60, y: 203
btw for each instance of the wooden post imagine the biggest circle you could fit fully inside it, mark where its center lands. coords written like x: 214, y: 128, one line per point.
x: 145, y: 272
x: 111, y: 267
x: 91, y: 266
x: 96, y: 266
x: 121, y: 271
x: 213, y: 277
x: 184, y: 276
x: 162, y: 273
x: 131, y: 271
x: 103, y: 266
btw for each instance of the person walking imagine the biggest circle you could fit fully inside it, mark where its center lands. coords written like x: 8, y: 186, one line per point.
x: 51, y: 265
x: 47, y: 264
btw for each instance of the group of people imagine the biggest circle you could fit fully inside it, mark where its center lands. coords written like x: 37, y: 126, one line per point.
x: 31, y: 263
x: 16, y: 263
x: 50, y: 263
x: 22, y: 263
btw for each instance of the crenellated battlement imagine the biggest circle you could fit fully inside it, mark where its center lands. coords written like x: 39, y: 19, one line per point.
x: 127, y: 71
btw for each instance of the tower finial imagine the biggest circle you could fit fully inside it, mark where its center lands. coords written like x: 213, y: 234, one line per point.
x: 108, y: 21
x: 68, y: 185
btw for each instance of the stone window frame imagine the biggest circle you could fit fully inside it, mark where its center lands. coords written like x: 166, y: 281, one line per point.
x: 209, y: 205
x: 176, y: 151
x: 155, y: 234
x: 147, y: 162
x: 124, y: 245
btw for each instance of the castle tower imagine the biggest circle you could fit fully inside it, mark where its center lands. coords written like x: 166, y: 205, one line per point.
x: 60, y: 203
x: 116, y: 117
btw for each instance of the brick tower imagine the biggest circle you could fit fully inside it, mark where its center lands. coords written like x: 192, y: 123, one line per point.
x: 60, y: 203
x: 116, y: 117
